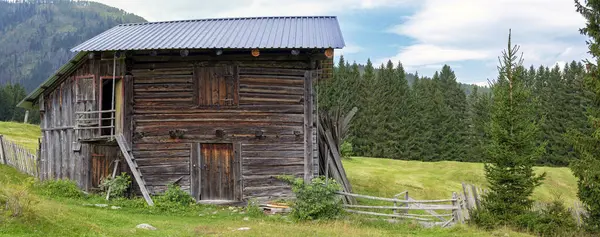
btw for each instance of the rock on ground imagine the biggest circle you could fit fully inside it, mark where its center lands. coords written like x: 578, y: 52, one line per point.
x: 146, y: 227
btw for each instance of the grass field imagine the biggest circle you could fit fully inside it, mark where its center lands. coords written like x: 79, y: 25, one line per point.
x: 71, y: 217
x: 379, y: 177
x: 437, y: 180
x: 24, y: 134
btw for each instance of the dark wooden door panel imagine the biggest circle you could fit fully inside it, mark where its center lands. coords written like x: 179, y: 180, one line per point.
x: 217, y: 180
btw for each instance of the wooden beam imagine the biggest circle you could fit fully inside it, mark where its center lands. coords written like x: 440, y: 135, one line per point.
x: 308, y: 127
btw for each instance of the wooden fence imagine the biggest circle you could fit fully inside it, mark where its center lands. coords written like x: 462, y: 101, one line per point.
x: 18, y: 157
x: 444, y: 212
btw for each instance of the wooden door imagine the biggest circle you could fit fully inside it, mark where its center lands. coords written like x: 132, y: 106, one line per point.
x: 216, y: 172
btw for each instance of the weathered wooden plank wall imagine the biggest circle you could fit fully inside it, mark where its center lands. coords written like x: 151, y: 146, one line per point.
x: 267, y: 123
x: 63, y: 155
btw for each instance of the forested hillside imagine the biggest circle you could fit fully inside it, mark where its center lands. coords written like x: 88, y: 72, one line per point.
x: 438, y: 119
x: 36, y: 36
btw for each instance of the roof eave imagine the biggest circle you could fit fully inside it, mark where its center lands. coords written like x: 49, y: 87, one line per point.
x: 29, y: 101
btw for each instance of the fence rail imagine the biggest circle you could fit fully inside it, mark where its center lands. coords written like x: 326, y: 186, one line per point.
x: 15, y: 155
x: 441, y: 212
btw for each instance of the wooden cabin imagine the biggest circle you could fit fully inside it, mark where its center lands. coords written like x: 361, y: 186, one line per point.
x: 218, y: 106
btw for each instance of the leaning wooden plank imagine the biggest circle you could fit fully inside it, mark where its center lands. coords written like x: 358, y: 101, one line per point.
x: 2, y: 157
x: 388, y: 215
x: 419, y: 206
x: 114, y: 173
x: 134, y: 170
x: 337, y: 160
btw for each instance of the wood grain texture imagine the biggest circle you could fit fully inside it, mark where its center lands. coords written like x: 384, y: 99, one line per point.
x: 262, y: 107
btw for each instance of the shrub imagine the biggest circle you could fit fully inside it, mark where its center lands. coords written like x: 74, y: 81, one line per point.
x: 173, y: 200
x: 485, y: 219
x: 315, y: 200
x: 346, y: 149
x: 62, y: 188
x: 551, y: 220
x: 117, y: 185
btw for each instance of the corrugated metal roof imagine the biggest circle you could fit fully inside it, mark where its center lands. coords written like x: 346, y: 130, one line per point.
x: 234, y: 33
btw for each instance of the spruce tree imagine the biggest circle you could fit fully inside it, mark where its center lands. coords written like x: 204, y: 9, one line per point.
x: 513, y: 148
x: 587, y: 167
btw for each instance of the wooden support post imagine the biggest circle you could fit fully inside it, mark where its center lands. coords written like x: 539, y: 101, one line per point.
x: 476, y: 197
x: 26, y: 116
x: 308, y: 127
x: 2, y: 154
x: 114, y: 174
x: 406, y: 198
x: 456, y: 212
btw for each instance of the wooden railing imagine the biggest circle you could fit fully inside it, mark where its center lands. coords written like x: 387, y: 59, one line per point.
x: 93, y: 121
x: 18, y: 157
x: 443, y: 212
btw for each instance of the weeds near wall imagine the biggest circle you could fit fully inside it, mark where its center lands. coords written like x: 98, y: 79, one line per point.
x: 315, y: 200
x: 62, y: 188
x: 17, y: 201
x: 118, y: 185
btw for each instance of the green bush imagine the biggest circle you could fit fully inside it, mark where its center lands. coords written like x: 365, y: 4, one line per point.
x: 174, y: 200
x: 117, y: 185
x: 551, y: 220
x: 485, y: 219
x: 315, y: 200
x: 62, y: 188
x: 346, y: 149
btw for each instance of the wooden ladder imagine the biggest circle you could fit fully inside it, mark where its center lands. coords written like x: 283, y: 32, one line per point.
x: 134, y: 167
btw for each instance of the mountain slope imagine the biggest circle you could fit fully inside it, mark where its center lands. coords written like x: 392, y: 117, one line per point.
x: 35, y: 38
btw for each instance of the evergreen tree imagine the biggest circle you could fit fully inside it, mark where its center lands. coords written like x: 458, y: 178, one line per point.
x: 479, y: 117
x: 513, y: 148
x: 453, y: 115
x: 587, y: 167
x: 363, y: 133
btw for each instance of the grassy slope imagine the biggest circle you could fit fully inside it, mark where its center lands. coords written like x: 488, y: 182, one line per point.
x: 24, y: 134
x: 381, y: 177
x: 437, y: 180
x: 72, y: 218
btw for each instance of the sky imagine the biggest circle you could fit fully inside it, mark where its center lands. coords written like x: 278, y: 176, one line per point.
x: 467, y: 35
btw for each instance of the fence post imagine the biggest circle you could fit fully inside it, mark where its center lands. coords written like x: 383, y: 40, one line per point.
x: 26, y: 116
x: 456, y: 211
x: 407, y: 204
x: 2, y: 157
x: 38, y: 159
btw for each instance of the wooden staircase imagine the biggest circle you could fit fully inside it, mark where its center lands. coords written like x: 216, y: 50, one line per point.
x: 126, y: 150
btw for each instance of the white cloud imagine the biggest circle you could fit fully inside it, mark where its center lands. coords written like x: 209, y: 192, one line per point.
x: 457, y: 30
x: 349, y: 49
x: 482, y: 83
x: 427, y: 54
x: 161, y: 10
